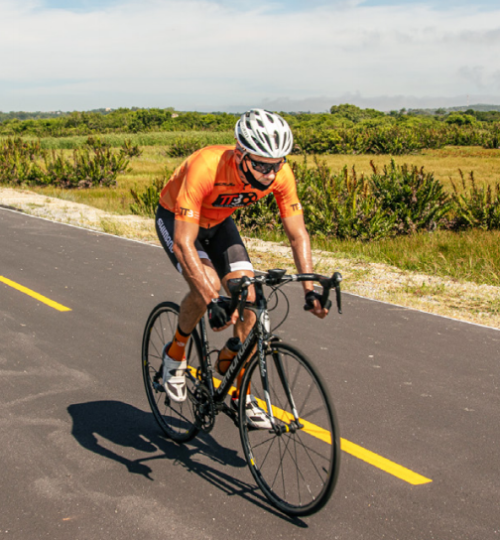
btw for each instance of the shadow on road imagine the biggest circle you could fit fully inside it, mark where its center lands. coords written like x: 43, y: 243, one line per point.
x: 124, y: 425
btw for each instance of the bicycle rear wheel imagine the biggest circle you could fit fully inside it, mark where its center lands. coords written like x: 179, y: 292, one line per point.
x: 175, y: 419
x: 296, y: 468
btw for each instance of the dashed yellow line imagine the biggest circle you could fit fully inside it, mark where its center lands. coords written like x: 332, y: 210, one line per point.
x: 349, y: 447
x: 34, y: 294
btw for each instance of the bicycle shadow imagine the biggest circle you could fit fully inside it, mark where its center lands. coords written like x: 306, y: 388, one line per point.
x: 126, y: 426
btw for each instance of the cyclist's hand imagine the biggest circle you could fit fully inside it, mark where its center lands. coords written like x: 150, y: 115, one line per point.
x: 218, y: 316
x: 232, y: 320
x: 314, y: 306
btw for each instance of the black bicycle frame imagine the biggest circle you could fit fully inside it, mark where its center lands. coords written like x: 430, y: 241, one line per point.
x: 256, y: 336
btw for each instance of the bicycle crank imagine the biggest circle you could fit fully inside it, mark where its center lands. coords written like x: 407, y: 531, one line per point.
x: 203, y: 408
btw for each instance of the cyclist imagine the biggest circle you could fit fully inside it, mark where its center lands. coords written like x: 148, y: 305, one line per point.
x: 194, y: 224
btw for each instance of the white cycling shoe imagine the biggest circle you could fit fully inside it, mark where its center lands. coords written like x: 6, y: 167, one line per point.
x: 174, y: 377
x: 256, y: 417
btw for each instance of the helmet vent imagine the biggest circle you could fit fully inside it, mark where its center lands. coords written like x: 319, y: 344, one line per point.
x: 259, y: 144
x: 268, y: 140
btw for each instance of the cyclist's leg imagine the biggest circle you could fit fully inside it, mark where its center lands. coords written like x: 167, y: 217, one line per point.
x: 192, y: 306
x: 227, y: 250
x: 191, y: 310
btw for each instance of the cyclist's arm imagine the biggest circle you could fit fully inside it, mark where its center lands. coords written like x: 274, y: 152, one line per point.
x: 296, y: 231
x: 186, y: 234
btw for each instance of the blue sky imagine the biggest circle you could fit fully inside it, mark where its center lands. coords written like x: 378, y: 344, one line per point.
x: 232, y: 54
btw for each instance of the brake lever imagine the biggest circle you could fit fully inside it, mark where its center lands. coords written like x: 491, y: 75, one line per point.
x: 241, y: 306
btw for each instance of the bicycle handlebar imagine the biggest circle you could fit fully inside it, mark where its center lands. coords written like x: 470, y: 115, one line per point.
x: 239, y: 286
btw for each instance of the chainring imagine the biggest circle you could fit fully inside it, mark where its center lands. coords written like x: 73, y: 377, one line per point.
x: 203, y: 408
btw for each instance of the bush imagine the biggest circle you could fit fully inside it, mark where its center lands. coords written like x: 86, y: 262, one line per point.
x: 18, y: 162
x: 184, y: 146
x: 339, y: 205
x: 96, y: 164
x: 415, y: 199
x: 476, y: 207
x: 146, y: 202
x: 396, y: 201
x: 88, y: 168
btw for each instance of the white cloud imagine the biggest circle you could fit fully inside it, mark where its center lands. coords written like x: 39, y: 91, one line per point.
x: 190, y: 53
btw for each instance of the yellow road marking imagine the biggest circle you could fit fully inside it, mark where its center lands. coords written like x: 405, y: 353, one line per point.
x: 349, y: 447
x: 382, y: 463
x: 34, y: 294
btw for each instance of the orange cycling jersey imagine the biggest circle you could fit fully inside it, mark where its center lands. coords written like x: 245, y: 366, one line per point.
x: 206, y: 188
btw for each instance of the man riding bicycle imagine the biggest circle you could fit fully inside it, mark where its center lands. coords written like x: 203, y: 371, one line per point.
x: 194, y: 224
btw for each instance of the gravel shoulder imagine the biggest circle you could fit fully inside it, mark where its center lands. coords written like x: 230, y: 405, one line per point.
x: 479, y: 304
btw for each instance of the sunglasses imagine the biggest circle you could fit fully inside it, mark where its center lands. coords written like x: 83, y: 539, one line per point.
x: 266, y: 168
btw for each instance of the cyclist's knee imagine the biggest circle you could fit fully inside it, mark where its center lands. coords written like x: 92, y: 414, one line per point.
x: 237, y: 275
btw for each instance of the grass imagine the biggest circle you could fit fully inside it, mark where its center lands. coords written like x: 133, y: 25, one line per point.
x: 160, y: 138
x: 469, y: 256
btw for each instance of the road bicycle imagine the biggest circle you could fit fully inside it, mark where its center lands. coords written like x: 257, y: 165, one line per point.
x: 296, y: 462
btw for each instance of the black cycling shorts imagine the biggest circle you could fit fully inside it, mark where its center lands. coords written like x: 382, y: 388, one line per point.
x: 221, y: 244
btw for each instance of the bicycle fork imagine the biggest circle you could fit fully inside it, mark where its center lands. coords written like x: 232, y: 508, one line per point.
x: 287, y: 426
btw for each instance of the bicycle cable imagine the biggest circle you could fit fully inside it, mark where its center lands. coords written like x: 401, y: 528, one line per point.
x: 274, y: 292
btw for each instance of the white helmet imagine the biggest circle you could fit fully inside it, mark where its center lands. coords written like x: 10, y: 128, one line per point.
x: 264, y: 133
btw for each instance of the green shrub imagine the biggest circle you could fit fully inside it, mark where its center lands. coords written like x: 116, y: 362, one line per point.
x: 399, y: 200
x: 146, y: 202
x: 89, y: 167
x: 96, y: 164
x: 185, y: 145
x: 339, y: 205
x: 415, y: 199
x: 476, y: 207
x: 18, y: 162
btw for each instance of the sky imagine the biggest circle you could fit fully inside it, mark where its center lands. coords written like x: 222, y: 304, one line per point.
x: 230, y: 55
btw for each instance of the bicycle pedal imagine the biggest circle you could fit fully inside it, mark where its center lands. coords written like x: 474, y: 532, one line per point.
x: 158, y: 387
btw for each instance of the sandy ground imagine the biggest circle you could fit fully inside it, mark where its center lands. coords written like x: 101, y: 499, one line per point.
x: 466, y: 301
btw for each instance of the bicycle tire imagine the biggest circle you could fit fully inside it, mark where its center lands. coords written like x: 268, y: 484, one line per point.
x: 175, y: 419
x: 309, y: 458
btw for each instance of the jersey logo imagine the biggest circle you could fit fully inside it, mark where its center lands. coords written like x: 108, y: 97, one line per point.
x: 296, y: 207
x: 187, y: 212
x: 234, y: 200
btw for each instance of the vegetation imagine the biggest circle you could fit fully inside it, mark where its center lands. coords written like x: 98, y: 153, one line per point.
x: 26, y: 163
x: 346, y: 130
x: 378, y: 208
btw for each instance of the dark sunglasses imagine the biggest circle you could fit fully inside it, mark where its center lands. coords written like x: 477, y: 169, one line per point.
x: 266, y: 168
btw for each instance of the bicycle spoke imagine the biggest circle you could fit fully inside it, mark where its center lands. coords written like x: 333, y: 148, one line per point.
x: 175, y: 419
x: 313, y: 464
x: 298, y: 472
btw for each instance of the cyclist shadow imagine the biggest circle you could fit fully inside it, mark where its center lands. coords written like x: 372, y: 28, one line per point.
x: 125, y: 425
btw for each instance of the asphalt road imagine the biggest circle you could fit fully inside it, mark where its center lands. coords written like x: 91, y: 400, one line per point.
x: 83, y: 458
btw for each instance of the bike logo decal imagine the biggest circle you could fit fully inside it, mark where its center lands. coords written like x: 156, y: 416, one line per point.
x: 234, y: 200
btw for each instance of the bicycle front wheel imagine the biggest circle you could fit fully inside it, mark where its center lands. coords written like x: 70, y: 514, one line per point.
x: 295, y: 466
x: 175, y: 419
